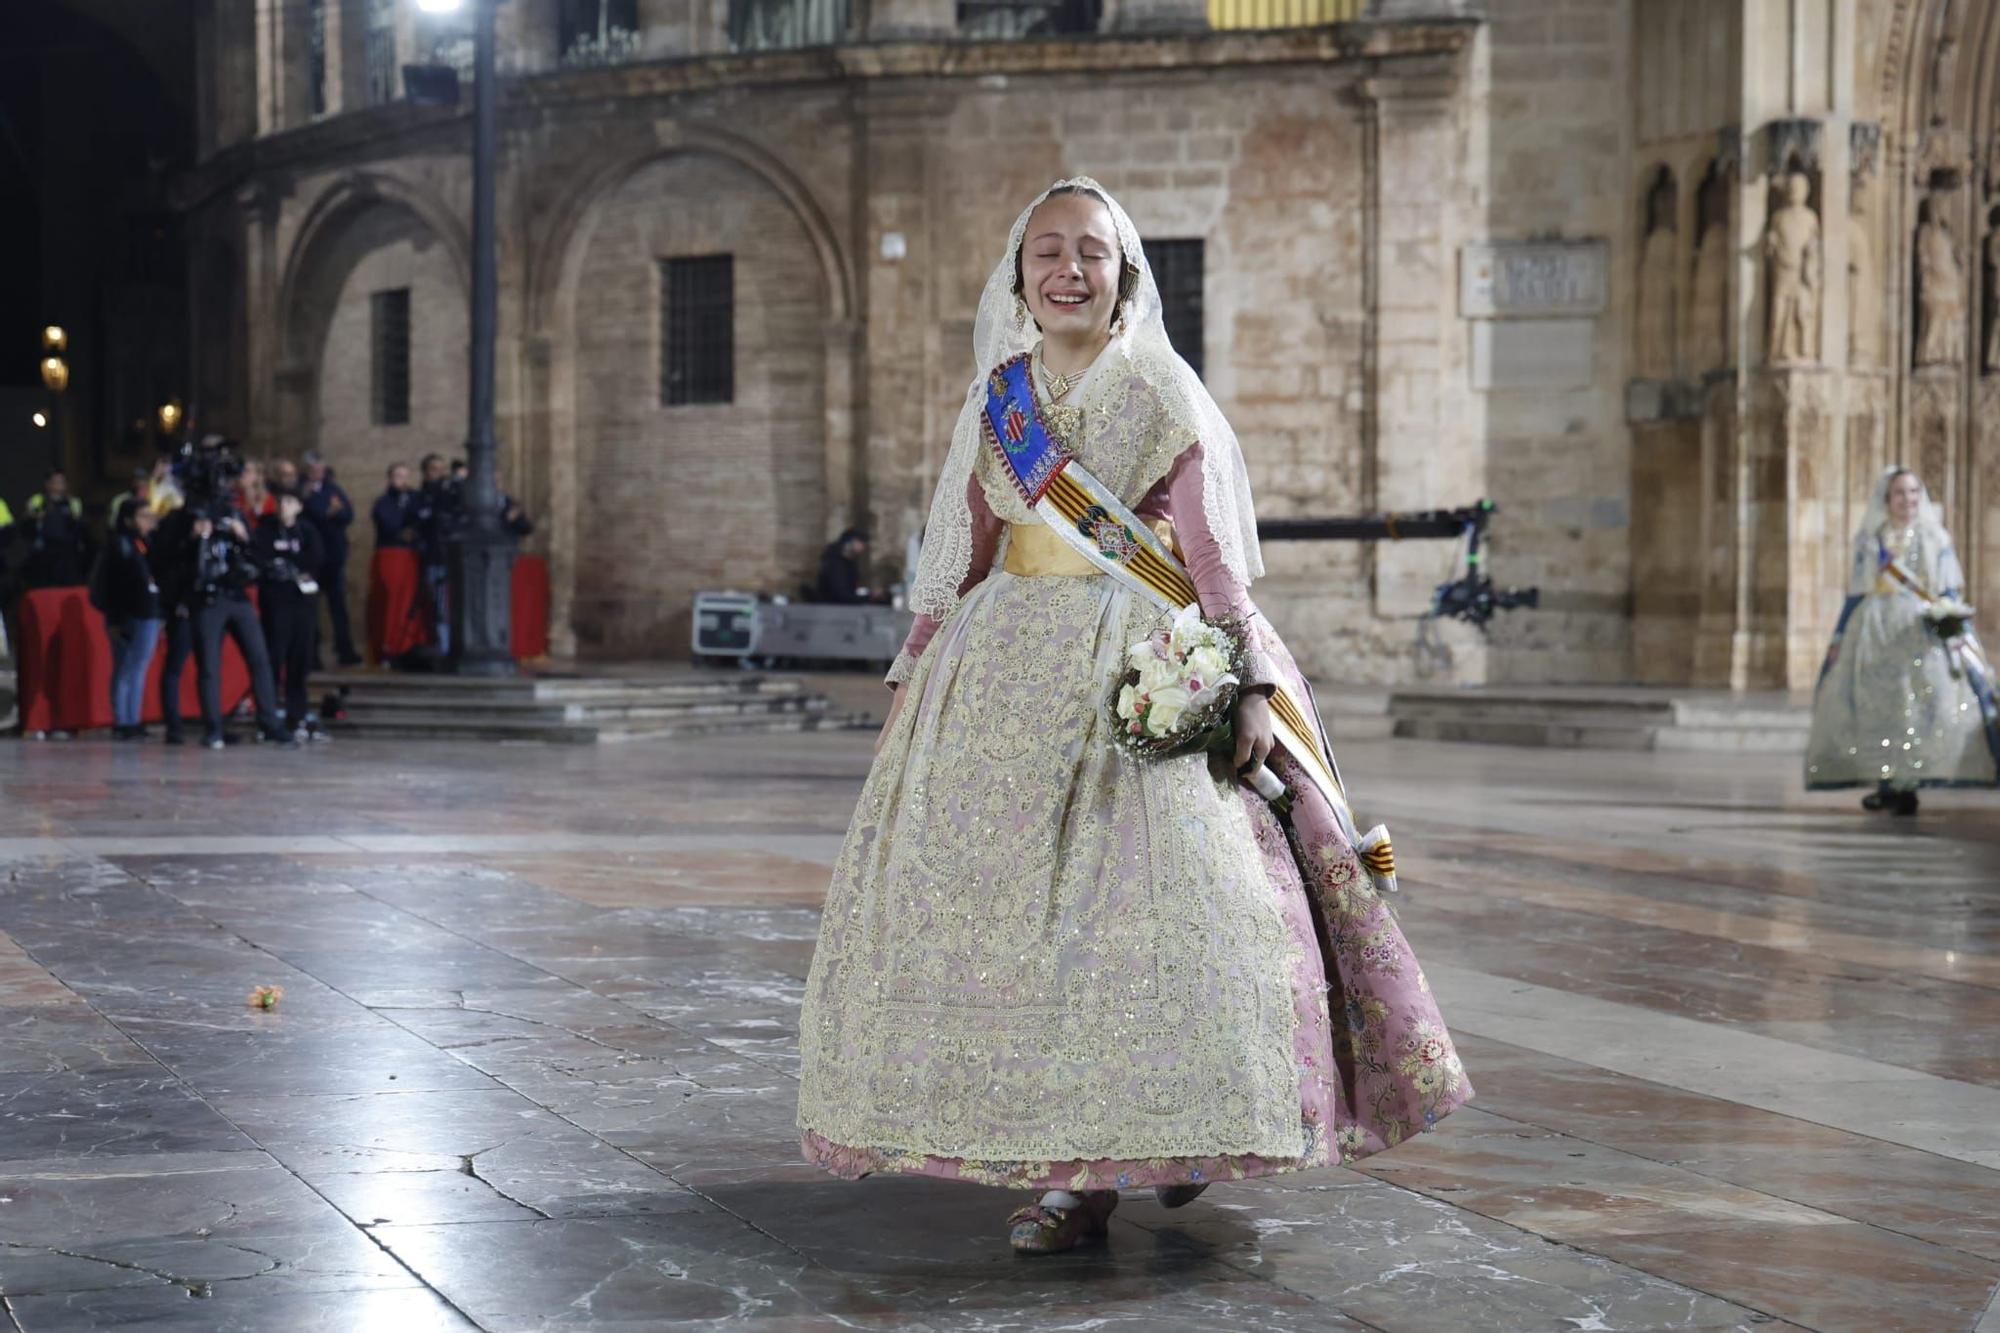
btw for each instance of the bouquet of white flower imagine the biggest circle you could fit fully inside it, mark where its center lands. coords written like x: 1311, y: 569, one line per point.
x: 1178, y: 689
x: 1949, y: 617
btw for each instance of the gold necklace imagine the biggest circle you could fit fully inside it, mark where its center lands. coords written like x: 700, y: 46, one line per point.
x: 1059, y: 385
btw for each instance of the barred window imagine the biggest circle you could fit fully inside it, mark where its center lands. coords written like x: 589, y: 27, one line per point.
x: 389, y: 348
x: 697, y: 330
x: 1177, y: 268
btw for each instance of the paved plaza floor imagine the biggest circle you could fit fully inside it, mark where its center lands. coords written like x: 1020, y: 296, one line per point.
x: 1737, y: 1052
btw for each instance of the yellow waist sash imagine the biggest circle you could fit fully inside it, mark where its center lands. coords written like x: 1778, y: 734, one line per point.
x: 1034, y: 551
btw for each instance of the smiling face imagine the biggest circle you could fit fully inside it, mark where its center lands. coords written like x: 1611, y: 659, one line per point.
x: 1070, y: 265
x: 1905, y: 494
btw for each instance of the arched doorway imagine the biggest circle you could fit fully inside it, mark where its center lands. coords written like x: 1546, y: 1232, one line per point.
x: 674, y: 496
x: 373, y: 368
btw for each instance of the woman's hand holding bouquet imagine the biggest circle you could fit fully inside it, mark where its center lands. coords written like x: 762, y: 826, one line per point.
x: 1179, y: 694
x: 1949, y: 617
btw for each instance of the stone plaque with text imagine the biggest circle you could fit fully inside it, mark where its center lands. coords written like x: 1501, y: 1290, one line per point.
x: 1532, y: 279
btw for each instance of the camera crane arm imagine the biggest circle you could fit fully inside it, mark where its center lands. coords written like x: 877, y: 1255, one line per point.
x: 1471, y: 597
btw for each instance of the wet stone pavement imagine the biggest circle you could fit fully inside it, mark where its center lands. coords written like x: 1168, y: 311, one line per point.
x: 1737, y: 1049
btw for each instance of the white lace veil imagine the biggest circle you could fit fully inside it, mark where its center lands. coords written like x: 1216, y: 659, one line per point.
x: 1932, y: 538
x: 998, y: 335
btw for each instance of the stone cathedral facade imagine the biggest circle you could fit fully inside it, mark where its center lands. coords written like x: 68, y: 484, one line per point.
x: 1669, y: 280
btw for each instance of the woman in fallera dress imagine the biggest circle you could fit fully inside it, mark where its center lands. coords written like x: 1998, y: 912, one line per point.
x: 1049, y: 964
x: 1905, y: 699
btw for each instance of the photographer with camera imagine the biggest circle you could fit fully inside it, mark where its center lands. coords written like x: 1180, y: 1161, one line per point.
x: 287, y: 552
x: 203, y: 555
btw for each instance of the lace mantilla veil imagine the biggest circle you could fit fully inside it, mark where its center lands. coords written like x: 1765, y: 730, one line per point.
x: 1929, y: 526
x: 997, y: 337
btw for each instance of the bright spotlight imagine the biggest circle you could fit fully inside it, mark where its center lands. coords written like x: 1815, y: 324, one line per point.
x: 439, y: 6
x: 39, y: 420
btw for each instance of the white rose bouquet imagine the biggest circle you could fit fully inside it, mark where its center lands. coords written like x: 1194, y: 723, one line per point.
x: 1178, y: 689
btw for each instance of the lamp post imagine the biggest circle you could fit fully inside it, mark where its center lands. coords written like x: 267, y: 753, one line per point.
x: 55, y: 378
x: 480, y: 561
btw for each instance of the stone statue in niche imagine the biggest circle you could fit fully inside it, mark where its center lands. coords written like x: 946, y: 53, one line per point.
x: 1940, y: 292
x: 1792, y: 250
x: 1992, y: 358
x: 1864, y: 285
x: 1654, y: 343
x: 1708, y: 345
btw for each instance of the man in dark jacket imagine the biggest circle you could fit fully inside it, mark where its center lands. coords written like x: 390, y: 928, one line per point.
x: 840, y: 570
x: 438, y: 514
x: 287, y: 551
x: 330, y: 513
x: 395, y: 514
x: 58, y: 546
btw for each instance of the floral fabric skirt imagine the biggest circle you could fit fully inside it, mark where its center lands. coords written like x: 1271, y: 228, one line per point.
x: 1045, y: 963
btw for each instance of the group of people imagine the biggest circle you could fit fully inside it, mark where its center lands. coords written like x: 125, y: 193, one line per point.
x: 186, y: 544
x: 421, y: 515
x: 189, y: 539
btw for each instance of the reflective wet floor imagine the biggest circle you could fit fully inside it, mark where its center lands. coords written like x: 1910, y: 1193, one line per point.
x: 1737, y: 1051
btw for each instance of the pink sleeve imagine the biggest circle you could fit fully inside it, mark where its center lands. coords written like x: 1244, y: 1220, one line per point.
x: 986, y: 527
x: 1223, y: 596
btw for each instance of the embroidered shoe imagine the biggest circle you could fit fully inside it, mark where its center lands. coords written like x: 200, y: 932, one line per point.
x: 1046, y: 1229
x: 1178, y: 1196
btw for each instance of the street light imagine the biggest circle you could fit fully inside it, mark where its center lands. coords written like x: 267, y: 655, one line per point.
x: 170, y: 417
x: 55, y: 378
x: 481, y: 555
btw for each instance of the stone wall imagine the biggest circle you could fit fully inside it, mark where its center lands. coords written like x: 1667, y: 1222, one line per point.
x: 359, y: 449
x: 676, y: 499
x: 1558, y: 459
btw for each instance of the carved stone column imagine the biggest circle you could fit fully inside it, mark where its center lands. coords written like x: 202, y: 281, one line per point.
x: 1406, y: 460
x: 346, y: 55
x: 259, y: 206
x: 284, y: 67
x: 894, y: 409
